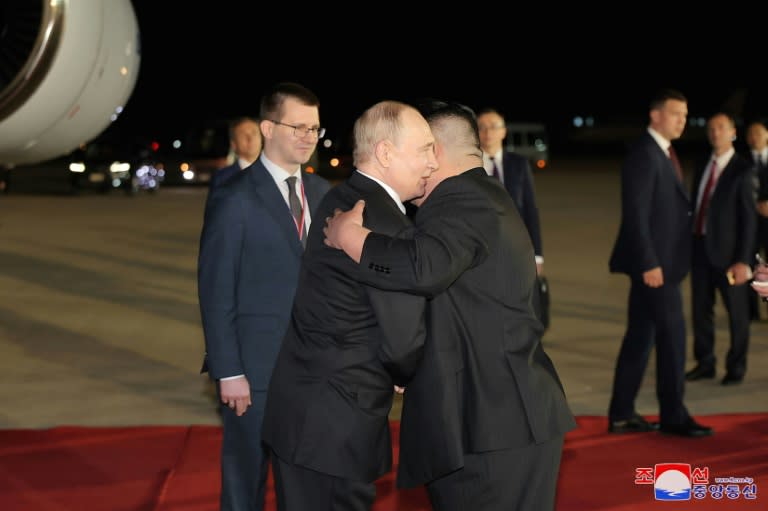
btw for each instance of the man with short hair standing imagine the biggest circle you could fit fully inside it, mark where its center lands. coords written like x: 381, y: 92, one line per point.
x: 653, y: 248
x: 248, y: 268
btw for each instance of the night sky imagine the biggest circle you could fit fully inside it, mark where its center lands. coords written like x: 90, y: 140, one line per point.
x: 224, y: 54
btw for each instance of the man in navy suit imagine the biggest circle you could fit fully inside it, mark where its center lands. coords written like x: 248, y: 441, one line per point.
x: 514, y: 172
x: 245, y: 141
x: 248, y: 269
x: 723, y: 250
x: 653, y: 248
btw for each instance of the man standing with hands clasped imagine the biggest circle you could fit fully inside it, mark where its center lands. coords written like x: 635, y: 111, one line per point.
x: 723, y: 250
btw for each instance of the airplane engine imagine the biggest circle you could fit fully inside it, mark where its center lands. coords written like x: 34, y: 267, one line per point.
x: 67, y: 68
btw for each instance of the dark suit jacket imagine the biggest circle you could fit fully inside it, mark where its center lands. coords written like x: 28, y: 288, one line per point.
x: 248, y: 269
x: 656, y: 217
x: 485, y: 382
x: 518, y: 180
x: 731, y: 216
x: 347, y: 345
x: 224, y: 174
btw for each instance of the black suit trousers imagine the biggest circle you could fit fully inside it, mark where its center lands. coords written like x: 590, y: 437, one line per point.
x: 655, y: 320
x: 301, y: 489
x: 705, y: 279
x: 508, y: 479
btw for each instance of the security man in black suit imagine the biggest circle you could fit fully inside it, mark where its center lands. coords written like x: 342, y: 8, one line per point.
x: 653, y: 248
x: 723, y: 250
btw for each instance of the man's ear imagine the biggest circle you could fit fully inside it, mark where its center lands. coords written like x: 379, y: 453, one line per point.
x: 266, y: 128
x: 383, y: 153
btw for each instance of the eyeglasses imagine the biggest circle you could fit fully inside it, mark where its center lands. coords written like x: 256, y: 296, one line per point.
x: 302, y: 131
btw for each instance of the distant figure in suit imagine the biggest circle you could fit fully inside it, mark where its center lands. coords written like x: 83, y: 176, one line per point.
x: 514, y: 172
x: 248, y: 268
x: 484, y: 418
x: 348, y: 344
x: 725, y: 223
x: 757, y: 140
x: 653, y: 248
x: 245, y: 142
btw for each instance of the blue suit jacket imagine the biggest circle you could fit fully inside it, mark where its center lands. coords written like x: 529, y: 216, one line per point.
x: 656, y: 217
x: 224, y: 174
x: 248, y: 270
x: 518, y: 180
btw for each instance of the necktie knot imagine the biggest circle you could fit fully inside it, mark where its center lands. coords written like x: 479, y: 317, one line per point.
x: 494, y: 168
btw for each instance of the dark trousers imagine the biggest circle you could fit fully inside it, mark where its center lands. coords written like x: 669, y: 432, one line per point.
x: 301, y: 489
x: 510, y: 479
x: 705, y: 279
x: 654, y: 319
x: 244, y: 459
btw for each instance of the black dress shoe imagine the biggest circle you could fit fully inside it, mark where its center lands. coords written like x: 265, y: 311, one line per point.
x: 689, y: 428
x: 731, y: 379
x: 699, y: 373
x: 635, y: 424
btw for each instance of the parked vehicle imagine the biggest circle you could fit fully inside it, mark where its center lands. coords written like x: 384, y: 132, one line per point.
x: 530, y: 140
x: 105, y: 165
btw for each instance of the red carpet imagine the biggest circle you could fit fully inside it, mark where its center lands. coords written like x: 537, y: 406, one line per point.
x: 176, y: 469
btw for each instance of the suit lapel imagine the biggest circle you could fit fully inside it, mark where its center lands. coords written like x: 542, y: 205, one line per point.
x: 669, y: 166
x: 266, y: 191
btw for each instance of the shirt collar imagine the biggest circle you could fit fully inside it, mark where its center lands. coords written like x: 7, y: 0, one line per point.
x: 278, y: 173
x: 390, y: 191
x: 663, y: 142
x: 723, y: 159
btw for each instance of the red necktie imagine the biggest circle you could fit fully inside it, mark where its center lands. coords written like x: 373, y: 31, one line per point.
x: 704, y: 205
x: 676, y: 163
x: 296, y: 209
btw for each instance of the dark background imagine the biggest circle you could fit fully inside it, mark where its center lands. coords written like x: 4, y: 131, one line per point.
x: 213, y: 60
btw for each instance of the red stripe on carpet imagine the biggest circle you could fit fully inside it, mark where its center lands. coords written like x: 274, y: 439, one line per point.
x: 176, y: 468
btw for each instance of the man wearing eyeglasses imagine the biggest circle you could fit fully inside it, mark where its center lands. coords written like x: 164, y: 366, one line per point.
x: 484, y: 417
x: 250, y: 252
x: 347, y: 345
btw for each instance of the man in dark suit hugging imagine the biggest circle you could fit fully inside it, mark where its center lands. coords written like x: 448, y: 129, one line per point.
x: 348, y: 344
x: 485, y: 416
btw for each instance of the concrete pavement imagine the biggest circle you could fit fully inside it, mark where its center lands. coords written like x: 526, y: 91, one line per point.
x: 99, y: 323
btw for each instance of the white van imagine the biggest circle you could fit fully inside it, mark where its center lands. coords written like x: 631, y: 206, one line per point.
x: 529, y: 139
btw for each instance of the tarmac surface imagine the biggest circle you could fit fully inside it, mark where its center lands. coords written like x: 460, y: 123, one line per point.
x: 99, y: 321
